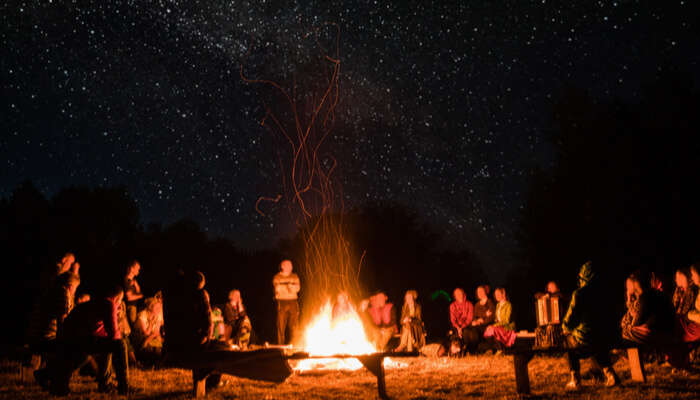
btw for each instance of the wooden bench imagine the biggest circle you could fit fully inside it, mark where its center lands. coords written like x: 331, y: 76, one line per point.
x: 523, y: 350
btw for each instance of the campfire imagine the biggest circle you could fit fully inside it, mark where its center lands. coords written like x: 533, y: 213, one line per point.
x: 328, y: 336
x: 331, y: 342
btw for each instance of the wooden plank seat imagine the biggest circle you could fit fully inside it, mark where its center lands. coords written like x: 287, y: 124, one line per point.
x: 264, y: 364
x: 523, y: 351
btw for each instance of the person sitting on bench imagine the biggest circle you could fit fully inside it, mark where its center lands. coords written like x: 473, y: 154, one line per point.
x: 585, y: 334
x: 649, y: 316
x: 381, y: 320
x: 502, y: 332
x: 237, y: 326
x: 412, y: 330
x: 484, y: 315
x: 461, y: 315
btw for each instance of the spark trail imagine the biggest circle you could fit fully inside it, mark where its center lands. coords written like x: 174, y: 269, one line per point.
x: 303, y: 115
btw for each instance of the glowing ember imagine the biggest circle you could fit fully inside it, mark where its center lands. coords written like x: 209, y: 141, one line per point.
x: 326, y: 336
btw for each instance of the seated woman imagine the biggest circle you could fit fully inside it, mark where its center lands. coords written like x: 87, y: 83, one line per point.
x: 484, y: 315
x: 380, y: 320
x: 237, y: 324
x: 685, y: 293
x: 688, y: 331
x: 649, y: 316
x: 502, y: 330
x: 148, y: 341
x: 461, y: 315
x: 694, y: 314
x: 412, y: 332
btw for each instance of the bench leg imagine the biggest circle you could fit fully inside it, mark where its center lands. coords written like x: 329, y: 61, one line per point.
x: 199, y: 384
x: 375, y: 365
x: 522, y: 377
x: 636, y: 365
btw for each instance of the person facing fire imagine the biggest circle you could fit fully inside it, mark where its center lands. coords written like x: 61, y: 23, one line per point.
x: 412, y: 332
x: 237, y: 326
x: 287, y: 285
x: 381, y: 320
x: 342, y: 307
x: 484, y: 315
x: 461, y: 315
x: 586, y: 335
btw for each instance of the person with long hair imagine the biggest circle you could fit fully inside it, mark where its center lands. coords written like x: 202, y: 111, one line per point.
x: 502, y: 330
x: 484, y: 315
x: 412, y: 330
x: 237, y: 324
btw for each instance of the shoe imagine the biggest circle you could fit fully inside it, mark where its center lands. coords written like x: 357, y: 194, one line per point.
x: 41, y: 377
x: 611, y: 378
x: 575, y: 382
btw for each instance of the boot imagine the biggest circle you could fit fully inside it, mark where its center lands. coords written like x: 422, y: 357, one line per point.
x: 611, y: 378
x: 575, y: 381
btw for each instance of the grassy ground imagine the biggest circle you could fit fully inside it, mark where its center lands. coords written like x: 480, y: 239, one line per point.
x: 485, y: 376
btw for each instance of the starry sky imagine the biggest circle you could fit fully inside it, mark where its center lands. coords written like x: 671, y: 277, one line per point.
x: 444, y: 106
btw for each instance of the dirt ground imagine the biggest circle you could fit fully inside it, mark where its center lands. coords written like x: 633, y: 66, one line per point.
x: 487, y: 376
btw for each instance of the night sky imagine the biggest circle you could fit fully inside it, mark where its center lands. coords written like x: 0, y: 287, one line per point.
x: 444, y: 107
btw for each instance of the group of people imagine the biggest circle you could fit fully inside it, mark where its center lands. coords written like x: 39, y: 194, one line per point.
x: 120, y: 326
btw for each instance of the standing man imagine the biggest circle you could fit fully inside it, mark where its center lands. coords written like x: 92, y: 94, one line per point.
x: 287, y: 286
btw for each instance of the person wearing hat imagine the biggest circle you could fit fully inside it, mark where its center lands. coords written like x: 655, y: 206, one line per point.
x: 585, y: 334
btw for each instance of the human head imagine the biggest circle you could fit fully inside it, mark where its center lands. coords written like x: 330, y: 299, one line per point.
x: 481, y: 293
x: 586, y: 273
x: 682, y: 278
x: 154, y: 304
x: 411, y: 296
x: 499, y: 294
x: 133, y: 269
x: 552, y: 287
x: 380, y: 299
x: 459, y: 295
x: 694, y: 274
x: 286, y: 267
x: 636, y: 283
x: 66, y: 261
x: 234, y: 296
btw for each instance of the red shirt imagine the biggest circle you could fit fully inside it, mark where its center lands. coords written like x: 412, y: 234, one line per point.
x: 461, y: 314
x: 98, y: 318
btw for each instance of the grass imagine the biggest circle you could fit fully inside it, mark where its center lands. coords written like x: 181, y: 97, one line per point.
x: 487, y: 376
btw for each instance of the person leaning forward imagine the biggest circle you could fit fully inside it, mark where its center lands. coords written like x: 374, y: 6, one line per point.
x: 287, y: 286
x: 91, y: 328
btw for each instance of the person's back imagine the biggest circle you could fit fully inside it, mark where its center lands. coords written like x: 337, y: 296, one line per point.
x: 95, y: 318
x: 187, y: 314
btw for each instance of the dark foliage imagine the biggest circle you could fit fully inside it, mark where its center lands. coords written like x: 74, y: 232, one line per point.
x: 101, y: 226
x: 622, y: 192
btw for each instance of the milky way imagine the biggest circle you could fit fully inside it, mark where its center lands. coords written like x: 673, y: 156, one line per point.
x: 444, y: 108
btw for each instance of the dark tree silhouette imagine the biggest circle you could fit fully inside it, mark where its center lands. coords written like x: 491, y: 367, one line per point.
x: 621, y: 192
